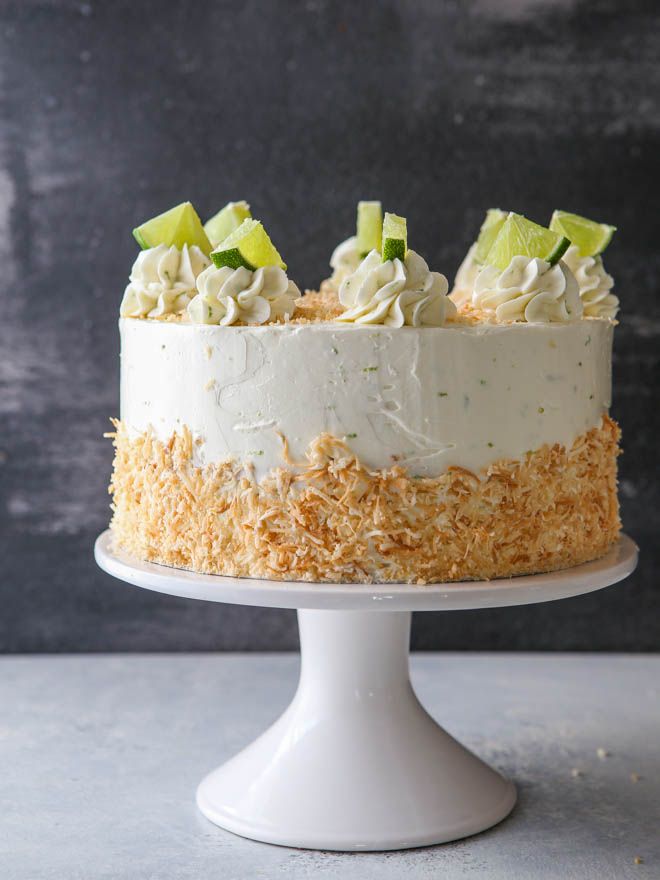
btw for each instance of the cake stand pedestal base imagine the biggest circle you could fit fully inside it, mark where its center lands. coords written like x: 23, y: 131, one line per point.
x: 355, y: 762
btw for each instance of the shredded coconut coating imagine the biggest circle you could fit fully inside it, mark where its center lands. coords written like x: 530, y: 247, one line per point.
x: 318, y: 305
x: 329, y: 519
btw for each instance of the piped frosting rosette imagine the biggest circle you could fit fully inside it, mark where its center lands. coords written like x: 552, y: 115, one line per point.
x: 228, y: 296
x: 395, y: 293
x: 529, y: 289
x: 594, y: 283
x: 162, y: 281
x: 344, y: 260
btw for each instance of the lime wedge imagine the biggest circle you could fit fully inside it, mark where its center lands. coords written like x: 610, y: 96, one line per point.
x: 248, y: 246
x: 589, y: 237
x: 395, y: 237
x: 520, y: 237
x: 178, y: 226
x: 369, y: 227
x: 225, y: 221
x: 488, y: 232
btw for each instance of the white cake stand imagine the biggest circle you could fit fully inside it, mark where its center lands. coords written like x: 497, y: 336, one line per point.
x: 355, y: 762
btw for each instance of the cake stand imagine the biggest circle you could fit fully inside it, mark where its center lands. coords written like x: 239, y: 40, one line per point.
x: 355, y: 762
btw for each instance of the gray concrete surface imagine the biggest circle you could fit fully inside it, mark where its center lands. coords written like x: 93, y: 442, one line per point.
x: 100, y: 757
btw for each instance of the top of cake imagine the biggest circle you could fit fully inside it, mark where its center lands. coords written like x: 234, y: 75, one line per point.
x: 228, y: 272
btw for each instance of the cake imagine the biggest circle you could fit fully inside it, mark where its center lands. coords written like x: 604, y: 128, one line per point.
x: 377, y: 430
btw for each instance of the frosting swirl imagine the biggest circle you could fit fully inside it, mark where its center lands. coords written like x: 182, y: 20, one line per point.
x: 162, y: 281
x: 230, y: 295
x: 595, y: 284
x: 395, y: 293
x: 529, y: 289
x: 344, y: 260
x: 465, y: 277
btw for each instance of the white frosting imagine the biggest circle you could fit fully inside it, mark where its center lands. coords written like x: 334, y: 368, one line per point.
x: 595, y: 284
x: 465, y: 277
x: 395, y: 292
x: 230, y: 295
x: 425, y: 398
x: 344, y: 260
x: 530, y: 290
x: 162, y: 281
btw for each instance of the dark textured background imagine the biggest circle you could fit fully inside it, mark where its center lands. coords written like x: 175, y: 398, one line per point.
x: 113, y: 112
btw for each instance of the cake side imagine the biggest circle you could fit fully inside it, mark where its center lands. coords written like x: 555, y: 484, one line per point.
x: 331, y: 519
x: 424, y: 398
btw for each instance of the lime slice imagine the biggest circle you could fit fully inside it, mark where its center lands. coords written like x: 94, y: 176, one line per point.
x: 248, y: 246
x: 520, y: 237
x: 369, y: 227
x: 178, y: 226
x: 488, y: 232
x: 225, y: 221
x: 395, y: 237
x: 590, y: 238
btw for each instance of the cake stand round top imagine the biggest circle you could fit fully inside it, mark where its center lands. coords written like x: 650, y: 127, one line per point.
x: 617, y: 564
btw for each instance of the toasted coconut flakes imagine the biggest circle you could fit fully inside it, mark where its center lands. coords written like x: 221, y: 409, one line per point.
x: 331, y: 519
x: 318, y: 305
